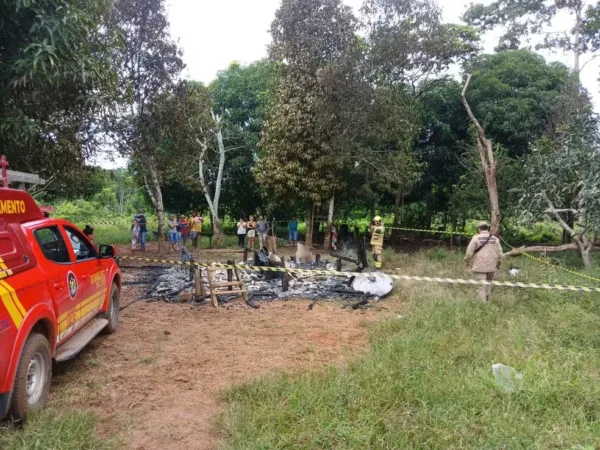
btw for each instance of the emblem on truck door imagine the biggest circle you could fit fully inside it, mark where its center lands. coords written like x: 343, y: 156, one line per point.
x: 73, y: 285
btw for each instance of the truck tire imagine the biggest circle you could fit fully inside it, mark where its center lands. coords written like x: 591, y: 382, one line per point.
x: 112, y: 313
x: 32, y: 380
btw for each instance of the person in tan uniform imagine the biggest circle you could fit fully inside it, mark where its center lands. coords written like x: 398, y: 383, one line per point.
x: 484, y: 258
x: 377, y: 232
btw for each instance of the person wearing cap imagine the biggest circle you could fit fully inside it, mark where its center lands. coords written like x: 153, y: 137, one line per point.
x: 377, y: 232
x: 484, y: 258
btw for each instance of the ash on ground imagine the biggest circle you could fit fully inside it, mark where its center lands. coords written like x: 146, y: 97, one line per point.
x: 268, y: 286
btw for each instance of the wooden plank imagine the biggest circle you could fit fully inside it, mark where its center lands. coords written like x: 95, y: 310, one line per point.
x: 245, y: 291
x: 228, y: 284
x: 213, y: 295
x: 230, y: 273
x: 22, y: 177
x: 199, y: 287
x: 236, y: 291
x: 223, y: 250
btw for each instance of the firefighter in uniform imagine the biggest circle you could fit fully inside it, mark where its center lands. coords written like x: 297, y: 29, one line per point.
x: 377, y: 232
x: 484, y: 257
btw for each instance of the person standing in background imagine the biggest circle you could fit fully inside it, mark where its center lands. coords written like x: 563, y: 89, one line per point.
x: 251, y: 231
x: 293, y: 232
x: 141, y: 219
x: 135, y: 233
x: 178, y: 227
x: 173, y: 236
x: 89, y: 232
x: 183, y: 224
x: 195, y: 228
x: 262, y: 228
x: 241, y: 232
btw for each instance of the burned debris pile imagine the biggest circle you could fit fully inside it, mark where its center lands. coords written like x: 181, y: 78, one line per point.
x: 177, y: 284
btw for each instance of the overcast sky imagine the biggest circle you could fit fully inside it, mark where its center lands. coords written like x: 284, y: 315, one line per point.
x: 214, y: 33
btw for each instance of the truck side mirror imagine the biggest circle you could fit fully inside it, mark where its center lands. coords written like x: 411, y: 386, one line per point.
x: 107, y: 251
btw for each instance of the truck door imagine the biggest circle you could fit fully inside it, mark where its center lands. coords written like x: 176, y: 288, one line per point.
x: 54, y: 248
x: 90, y: 275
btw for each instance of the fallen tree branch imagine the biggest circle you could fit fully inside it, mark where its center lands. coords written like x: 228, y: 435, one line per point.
x: 544, y: 248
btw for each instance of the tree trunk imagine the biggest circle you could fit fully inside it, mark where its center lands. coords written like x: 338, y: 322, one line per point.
x: 494, y: 203
x: 218, y: 236
x: 396, y: 225
x: 309, y: 224
x: 327, y: 243
x: 402, y: 211
x: 488, y: 163
x: 155, y: 193
x: 577, y: 44
x: 213, y: 203
x: 587, y: 257
x: 121, y: 201
x: 541, y: 249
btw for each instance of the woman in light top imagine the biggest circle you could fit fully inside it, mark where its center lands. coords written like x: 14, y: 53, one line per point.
x: 251, y: 228
x: 241, y: 232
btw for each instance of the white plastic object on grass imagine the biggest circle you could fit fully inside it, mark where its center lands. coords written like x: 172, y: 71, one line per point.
x: 507, y: 378
x: 379, y: 287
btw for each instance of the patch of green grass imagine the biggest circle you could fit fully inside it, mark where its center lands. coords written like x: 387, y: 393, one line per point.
x: 93, y: 362
x: 53, y: 428
x: 438, y: 254
x: 148, y: 360
x: 426, y: 381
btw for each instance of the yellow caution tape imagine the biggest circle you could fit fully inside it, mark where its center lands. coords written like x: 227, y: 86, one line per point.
x: 118, y: 222
x: 556, y: 287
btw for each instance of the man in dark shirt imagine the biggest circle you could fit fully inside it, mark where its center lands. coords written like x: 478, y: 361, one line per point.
x: 141, y: 218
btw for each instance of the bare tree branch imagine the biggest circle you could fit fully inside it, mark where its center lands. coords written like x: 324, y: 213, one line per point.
x: 556, y: 215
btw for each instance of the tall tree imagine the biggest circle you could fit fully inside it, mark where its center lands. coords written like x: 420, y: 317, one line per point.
x: 524, y: 20
x: 564, y: 180
x: 518, y: 97
x: 305, y: 137
x: 410, y: 48
x: 410, y: 44
x: 489, y: 164
x: 240, y: 97
x: 178, y: 131
x: 56, y: 83
x: 149, y: 64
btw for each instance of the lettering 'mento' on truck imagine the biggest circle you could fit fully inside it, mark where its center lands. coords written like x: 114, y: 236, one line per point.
x: 57, y: 292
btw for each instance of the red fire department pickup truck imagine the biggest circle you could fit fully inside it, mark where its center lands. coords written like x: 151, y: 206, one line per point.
x: 57, y: 292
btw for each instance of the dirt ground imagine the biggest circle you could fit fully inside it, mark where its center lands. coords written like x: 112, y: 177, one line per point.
x: 156, y: 382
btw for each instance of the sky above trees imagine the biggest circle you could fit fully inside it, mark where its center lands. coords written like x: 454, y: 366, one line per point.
x: 214, y: 33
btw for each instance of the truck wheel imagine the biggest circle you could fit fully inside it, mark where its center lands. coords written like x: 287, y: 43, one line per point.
x: 32, y: 380
x: 112, y: 313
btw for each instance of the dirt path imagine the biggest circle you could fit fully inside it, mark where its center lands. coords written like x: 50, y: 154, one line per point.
x: 156, y: 383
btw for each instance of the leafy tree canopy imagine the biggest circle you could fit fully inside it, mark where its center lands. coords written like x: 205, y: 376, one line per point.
x: 517, y: 97
x: 56, y: 82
